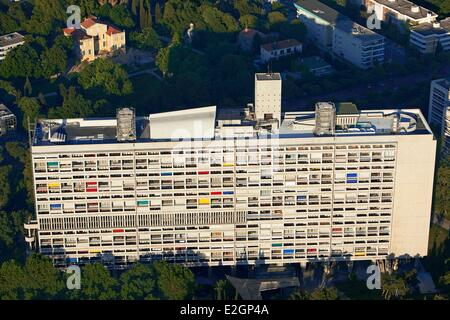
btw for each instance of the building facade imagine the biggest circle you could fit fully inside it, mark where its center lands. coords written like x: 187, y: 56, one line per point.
x: 427, y: 37
x: 337, y: 34
x: 96, y: 38
x: 238, y: 191
x: 9, y: 42
x: 439, y: 110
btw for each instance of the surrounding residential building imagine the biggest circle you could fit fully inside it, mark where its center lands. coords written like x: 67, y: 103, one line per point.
x: 427, y: 37
x: 357, y: 44
x: 337, y: 34
x: 439, y: 110
x: 8, y: 121
x: 278, y: 49
x: 9, y: 42
x: 401, y: 11
x: 214, y: 187
x: 96, y: 38
x: 316, y: 65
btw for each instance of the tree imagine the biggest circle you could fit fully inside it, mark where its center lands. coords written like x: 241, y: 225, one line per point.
x: 7, y: 24
x: 106, y: 74
x: 30, y: 108
x: 175, y: 282
x: 46, y: 15
x: 53, y: 61
x: 21, y: 62
x: 43, y: 281
x: 224, y: 290
x: 12, y: 281
x: 442, y: 190
x: 248, y: 21
x: 27, y: 88
x: 147, y: 39
x: 137, y: 283
x: 97, y: 283
x: 299, y: 295
x: 324, y: 294
x: 275, y: 19
x: 393, y: 285
x: 74, y: 105
x: 5, y: 173
x: 158, y: 13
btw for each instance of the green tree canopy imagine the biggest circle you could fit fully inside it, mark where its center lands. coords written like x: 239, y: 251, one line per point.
x: 137, y: 283
x: 107, y: 75
x: 175, y: 282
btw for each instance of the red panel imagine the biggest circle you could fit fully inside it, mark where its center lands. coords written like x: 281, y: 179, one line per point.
x: 91, y: 183
x: 311, y: 250
x: 91, y: 189
x: 203, y: 172
x: 118, y: 230
x: 216, y: 193
x: 337, y: 229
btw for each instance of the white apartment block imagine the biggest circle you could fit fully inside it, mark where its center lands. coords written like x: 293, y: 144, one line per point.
x: 357, y: 44
x: 336, y: 33
x: 439, y: 110
x: 9, y: 42
x: 427, y: 37
x: 221, y: 187
x: 278, y: 49
x: 401, y: 11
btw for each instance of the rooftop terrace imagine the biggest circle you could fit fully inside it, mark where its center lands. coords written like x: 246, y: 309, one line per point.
x: 11, y: 39
x: 202, y: 123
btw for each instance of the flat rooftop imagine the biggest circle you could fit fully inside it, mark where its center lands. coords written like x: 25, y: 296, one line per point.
x: 321, y: 11
x: 347, y: 108
x: 427, y: 29
x: 405, y: 7
x: 11, y: 39
x: 267, y: 76
x: 204, y: 124
x: 358, y: 31
x: 283, y: 44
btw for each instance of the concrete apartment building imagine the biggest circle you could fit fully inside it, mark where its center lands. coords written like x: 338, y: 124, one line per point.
x: 8, y: 120
x: 9, y: 42
x: 427, y: 37
x: 96, y: 38
x: 278, y: 49
x: 401, y: 11
x: 239, y: 186
x: 439, y: 110
x: 336, y: 33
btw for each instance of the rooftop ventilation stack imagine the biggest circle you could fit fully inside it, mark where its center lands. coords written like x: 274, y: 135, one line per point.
x: 126, y: 125
x: 325, y: 117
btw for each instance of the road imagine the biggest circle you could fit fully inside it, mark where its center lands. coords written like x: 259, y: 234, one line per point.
x: 353, y: 93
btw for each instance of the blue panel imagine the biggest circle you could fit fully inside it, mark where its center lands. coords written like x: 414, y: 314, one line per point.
x: 288, y: 251
x: 352, y: 175
x: 352, y: 181
x: 166, y: 173
x: 301, y: 197
x: 228, y: 192
x: 55, y: 206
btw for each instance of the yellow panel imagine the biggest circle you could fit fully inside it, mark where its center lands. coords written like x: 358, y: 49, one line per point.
x: 228, y: 164
x: 360, y: 254
x: 95, y: 251
x: 54, y: 185
x: 204, y: 201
